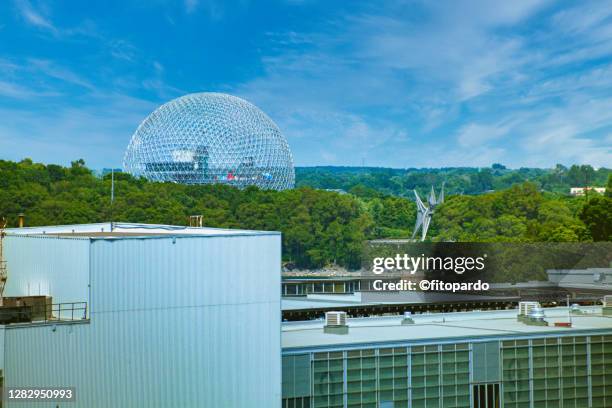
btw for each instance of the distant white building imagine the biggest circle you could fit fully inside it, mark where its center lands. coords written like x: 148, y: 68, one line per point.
x: 580, y: 191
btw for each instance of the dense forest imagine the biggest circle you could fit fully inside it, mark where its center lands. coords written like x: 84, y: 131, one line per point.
x: 458, y: 180
x: 319, y: 227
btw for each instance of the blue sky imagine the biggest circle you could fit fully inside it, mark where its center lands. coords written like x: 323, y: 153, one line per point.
x: 394, y: 83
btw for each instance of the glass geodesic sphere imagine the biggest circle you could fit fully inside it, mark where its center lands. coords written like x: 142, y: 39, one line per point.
x: 205, y: 138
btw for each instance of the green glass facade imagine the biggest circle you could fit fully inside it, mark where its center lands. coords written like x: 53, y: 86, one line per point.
x: 544, y: 372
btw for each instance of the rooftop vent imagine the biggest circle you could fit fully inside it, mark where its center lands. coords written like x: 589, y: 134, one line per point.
x: 536, y: 317
x: 407, y: 318
x: 335, y: 323
x: 536, y: 313
x: 575, y: 309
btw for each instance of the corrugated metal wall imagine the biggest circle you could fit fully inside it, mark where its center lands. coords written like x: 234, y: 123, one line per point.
x: 39, y: 265
x: 2, y: 348
x: 185, y: 322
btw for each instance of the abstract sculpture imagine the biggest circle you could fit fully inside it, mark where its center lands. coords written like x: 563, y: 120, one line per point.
x: 424, y: 213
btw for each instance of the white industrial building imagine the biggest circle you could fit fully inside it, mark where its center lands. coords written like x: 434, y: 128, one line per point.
x: 173, y: 316
x: 166, y: 316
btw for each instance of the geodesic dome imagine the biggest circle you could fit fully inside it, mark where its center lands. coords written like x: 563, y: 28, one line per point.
x: 206, y: 138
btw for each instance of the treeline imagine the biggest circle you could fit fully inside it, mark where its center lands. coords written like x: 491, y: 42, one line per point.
x: 458, y: 180
x: 521, y: 213
x: 319, y: 227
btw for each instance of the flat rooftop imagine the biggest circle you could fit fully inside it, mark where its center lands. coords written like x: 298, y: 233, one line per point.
x: 126, y: 229
x: 322, y: 301
x: 437, y: 327
x: 326, y: 301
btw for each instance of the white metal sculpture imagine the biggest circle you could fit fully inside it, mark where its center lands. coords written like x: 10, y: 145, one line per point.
x: 207, y: 138
x: 424, y: 213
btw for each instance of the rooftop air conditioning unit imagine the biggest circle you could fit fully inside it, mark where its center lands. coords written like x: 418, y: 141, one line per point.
x: 335, y: 318
x: 526, y: 307
x: 335, y: 323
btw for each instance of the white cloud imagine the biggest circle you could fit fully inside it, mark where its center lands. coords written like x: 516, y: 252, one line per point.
x: 567, y: 133
x: 16, y: 91
x: 401, y: 83
x: 481, y: 71
x: 50, y: 69
x: 61, y: 123
x: 583, y: 18
x: 159, y: 68
x: 33, y: 17
x: 117, y: 48
x: 473, y: 135
x: 122, y: 50
x: 98, y: 130
x: 215, y: 9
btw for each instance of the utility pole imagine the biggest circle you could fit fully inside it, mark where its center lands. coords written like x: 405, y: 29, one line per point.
x: 569, y: 309
x: 3, y: 269
x: 586, y: 187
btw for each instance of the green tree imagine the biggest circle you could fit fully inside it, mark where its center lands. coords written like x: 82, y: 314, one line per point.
x: 597, y: 216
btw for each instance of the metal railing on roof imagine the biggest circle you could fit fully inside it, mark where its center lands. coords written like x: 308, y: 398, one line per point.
x: 44, y: 313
